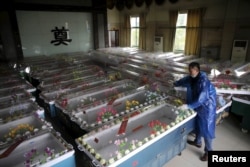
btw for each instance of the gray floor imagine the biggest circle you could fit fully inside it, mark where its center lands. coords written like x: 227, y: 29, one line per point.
x: 228, y: 137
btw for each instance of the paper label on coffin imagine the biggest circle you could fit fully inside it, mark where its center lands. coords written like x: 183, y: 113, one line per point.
x: 137, y: 128
x: 124, y: 123
x: 123, y: 127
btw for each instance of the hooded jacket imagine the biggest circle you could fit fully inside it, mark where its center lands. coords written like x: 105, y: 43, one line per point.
x: 201, y: 97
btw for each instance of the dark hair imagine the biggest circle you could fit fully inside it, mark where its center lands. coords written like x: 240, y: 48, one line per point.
x: 194, y: 64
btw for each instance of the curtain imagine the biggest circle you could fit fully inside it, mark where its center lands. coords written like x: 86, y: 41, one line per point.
x: 193, y: 31
x: 127, y: 31
x: 172, y: 24
x: 142, y: 32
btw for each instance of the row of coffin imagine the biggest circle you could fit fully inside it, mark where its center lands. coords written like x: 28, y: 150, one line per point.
x: 26, y: 139
x: 231, y: 80
x: 103, y: 99
x: 93, y: 100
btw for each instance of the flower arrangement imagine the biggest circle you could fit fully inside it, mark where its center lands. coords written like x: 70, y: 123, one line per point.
x: 156, y: 126
x: 111, y: 91
x: 96, y: 68
x: 32, y: 156
x: 121, y: 144
x: 178, y: 102
x: 13, y: 116
x: 155, y: 87
x: 181, y: 115
x: 151, y: 95
x: 29, y: 157
x: 111, y: 77
x: 114, y: 77
x: 144, y: 66
x: 118, y: 75
x: 226, y: 84
x: 131, y: 104
x: 49, y: 152
x: 105, y: 114
x: 64, y: 102
x: 124, y: 147
x: 76, y: 75
x: 21, y: 129
x: 158, y: 73
x: 88, y: 100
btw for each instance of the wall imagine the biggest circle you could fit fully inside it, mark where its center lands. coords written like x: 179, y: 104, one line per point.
x: 236, y: 26
x: 11, y: 36
x: 224, y: 21
x: 61, y: 2
x: 7, y: 37
x: 36, y: 36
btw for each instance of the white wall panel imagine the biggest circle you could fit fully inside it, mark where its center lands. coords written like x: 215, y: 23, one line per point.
x: 36, y: 36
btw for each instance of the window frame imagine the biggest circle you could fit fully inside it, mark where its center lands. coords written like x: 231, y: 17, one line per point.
x: 137, y: 28
x: 179, y: 27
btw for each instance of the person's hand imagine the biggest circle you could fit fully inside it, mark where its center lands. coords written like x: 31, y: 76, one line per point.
x: 183, y: 107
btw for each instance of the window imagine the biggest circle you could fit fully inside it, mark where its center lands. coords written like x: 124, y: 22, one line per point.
x: 134, y: 22
x: 180, y: 33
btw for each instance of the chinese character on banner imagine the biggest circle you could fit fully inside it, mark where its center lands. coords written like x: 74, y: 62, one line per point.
x: 61, y: 36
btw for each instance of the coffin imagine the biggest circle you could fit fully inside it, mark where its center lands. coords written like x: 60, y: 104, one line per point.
x: 114, y: 145
x: 23, y: 127
x: 109, y: 58
x: 6, y: 101
x: 19, y: 110
x: 73, y: 75
x: 16, y: 84
x: 50, y: 93
x: 72, y: 83
x: 69, y: 102
x: 47, y: 149
x: 60, y: 71
x: 243, y: 70
x: 241, y: 106
x: 131, y: 104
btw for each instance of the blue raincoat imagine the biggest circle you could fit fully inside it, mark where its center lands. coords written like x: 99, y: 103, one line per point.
x: 201, y: 97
